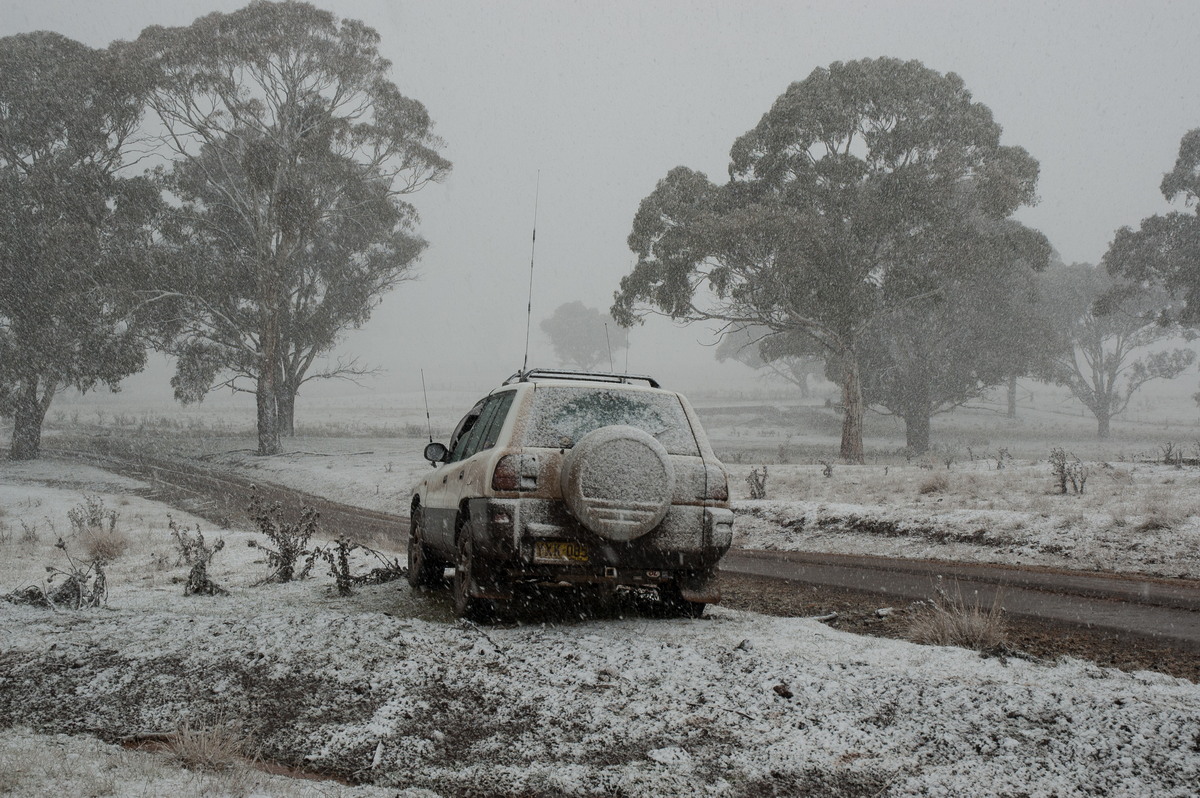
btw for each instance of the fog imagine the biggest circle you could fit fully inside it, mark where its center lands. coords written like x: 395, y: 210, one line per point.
x: 588, y: 105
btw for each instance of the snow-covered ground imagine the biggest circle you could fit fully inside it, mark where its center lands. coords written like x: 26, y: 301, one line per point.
x: 385, y: 685
x: 1089, y: 542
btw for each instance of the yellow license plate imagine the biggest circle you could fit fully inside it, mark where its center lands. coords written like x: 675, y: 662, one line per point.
x: 553, y: 551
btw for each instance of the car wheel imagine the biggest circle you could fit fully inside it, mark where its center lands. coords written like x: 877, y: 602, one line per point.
x: 466, y: 605
x: 674, y: 601
x: 424, y: 570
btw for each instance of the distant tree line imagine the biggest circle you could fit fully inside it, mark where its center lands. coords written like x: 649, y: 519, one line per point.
x: 867, y: 223
x: 274, y: 221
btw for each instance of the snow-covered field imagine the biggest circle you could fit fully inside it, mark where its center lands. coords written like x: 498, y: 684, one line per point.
x: 1132, y: 518
x: 386, y: 686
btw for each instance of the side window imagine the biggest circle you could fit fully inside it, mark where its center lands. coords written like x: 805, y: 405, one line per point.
x: 503, y: 403
x: 464, y: 427
x: 468, y: 444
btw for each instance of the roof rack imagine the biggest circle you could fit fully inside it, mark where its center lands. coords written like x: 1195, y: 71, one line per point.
x: 592, y: 376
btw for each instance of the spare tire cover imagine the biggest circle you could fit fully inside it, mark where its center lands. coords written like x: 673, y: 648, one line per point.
x: 618, y: 481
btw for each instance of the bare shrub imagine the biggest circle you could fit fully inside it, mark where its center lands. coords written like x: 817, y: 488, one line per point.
x: 934, y: 483
x: 92, y: 515
x: 80, y: 585
x: 1068, y: 469
x: 949, y: 620
x: 29, y: 533
x: 757, y: 483
x: 290, y: 538
x: 1172, y: 455
x: 337, y: 556
x: 197, y: 554
x: 216, y: 747
x: 1000, y: 457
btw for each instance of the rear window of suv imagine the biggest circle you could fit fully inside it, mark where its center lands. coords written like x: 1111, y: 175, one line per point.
x: 561, y: 415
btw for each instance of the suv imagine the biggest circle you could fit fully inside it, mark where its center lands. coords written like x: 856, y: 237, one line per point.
x: 573, y: 478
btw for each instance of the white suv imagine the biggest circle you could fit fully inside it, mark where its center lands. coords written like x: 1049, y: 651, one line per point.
x: 573, y: 478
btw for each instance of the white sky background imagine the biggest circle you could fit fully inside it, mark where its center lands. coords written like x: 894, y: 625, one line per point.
x: 605, y: 97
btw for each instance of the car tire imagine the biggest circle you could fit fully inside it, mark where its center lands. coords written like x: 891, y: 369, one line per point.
x: 465, y: 605
x: 424, y: 570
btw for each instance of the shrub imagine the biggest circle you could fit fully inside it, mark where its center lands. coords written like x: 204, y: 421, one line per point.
x: 934, y: 483
x: 79, y: 585
x: 92, y: 515
x: 290, y: 538
x: 949, y: 620
x: 757, y: 483
x: 337, y: 556
x: 29, y: 533
x: 194, y: 552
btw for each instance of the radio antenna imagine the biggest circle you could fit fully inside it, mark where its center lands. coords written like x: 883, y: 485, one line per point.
x: 608, y: 341
x: 428, y: 423
x: 532, y: 249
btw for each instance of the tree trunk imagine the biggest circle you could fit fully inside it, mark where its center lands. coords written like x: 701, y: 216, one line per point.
x: 1102, y: 424
x: 285, y: 406
x: 270, y: 294
x: 1012, y: 396
x: 916, y: 431
x: 29, y: 414
x: 852, y: 420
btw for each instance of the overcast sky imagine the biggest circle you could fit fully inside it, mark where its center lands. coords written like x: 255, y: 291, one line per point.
x: 603, y: 98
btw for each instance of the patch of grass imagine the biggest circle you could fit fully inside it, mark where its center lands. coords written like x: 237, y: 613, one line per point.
x: 105, y: 545
x: 950, y: 620
x: 934, y: 483
x: 215, y: 747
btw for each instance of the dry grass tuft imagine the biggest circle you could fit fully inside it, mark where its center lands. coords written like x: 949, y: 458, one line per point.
x: 934, y: 483
x: 951, y: 621
x: 218, y: 747
x: 105, y: 545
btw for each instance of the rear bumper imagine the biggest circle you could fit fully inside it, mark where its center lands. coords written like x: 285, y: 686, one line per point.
x: 685, y: 548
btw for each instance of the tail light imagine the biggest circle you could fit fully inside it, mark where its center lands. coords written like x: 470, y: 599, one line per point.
x: 515, y: 472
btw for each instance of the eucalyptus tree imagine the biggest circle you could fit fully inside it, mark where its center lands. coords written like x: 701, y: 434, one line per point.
x: 1110, y: 337
x: 1165, y: 249
x: 583, y: 337
x: 836, y: 203
x: 74, y: 232
x: 343, y: 263
x: 263, y: 105
x: 966, y: 331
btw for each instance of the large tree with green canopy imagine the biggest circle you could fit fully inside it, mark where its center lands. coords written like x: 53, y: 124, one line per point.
x: 1165, y: 249
x: 837, y: 206
x: 74, y: 232
x: 263, y: 105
